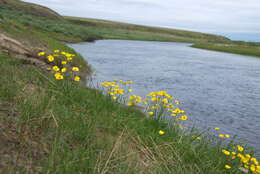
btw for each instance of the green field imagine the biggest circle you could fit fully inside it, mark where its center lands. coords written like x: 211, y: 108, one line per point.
x: 243, y: 49
x: 61, y: 127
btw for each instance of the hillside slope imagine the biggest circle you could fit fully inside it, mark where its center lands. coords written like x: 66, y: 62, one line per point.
x: 119, y: 30
x: 30, y: 8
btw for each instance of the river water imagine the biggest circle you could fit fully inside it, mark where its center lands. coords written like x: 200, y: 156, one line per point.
x: 216, y: 89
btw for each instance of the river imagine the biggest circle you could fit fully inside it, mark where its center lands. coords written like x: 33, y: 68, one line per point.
x: 216, y: 89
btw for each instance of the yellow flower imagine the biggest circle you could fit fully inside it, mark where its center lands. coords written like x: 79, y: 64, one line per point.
x: 244, y: 160
x: 225, y: 152
x: 69, y: 58
x: 176, y: 102
x: 64, y: 70
x: 77, y: 78
x: 227, y: 136
x: 252, y: 168
x: 165, y: 101
x: 130, y: 90
x: 114, y: 97
x: 58, y: 76
x: 50, y: 58
x: 41, y: 53
x: 240, y: 148
x: 161, y: 132
x: 221, y: 136
x: 240, y: 155
x: 150, y: 113
x: 217, y: 128
x: 154, y: 99
x: 254, y: 160
x: 56, y: 51
x: 248, y: 156
x: 55, y: 68
x: 184, y: 117
x: 257, y: 169
x: 75, y: 68
x: 227, y: 166
x: 177, y: 111
x: 64, y: 62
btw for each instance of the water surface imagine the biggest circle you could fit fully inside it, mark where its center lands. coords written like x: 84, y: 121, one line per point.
x: 216, y: 89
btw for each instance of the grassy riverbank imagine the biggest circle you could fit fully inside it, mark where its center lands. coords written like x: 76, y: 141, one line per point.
x: 243, y: 49
x: 49, y: 126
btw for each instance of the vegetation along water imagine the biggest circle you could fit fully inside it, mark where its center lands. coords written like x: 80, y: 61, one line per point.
x: 51, y: 122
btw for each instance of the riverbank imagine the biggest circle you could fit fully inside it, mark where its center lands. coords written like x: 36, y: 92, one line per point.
x: 60, y: 127
x: 51, y: 126
x: 243, y: 49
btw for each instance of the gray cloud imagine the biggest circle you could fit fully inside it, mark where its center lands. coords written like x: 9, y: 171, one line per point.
x: 201, y: 15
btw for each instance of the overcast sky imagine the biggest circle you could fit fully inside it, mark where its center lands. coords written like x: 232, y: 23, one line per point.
x: 214, y: 16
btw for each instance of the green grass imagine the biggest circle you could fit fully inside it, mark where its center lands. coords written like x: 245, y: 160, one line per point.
x: 59, y: 29
x: 243, y: 49
x: 75, y: 129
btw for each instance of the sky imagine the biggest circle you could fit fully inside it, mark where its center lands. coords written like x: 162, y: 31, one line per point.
x: 237, y: 19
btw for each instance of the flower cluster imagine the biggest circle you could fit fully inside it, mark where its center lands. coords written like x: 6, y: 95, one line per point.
x: 134, y: 100
x: 247, y: 161
x: 238, y: 154
x: 61, y: 63
x: 158, y: 104
x: 163, y: 103
x: 117, y: 88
